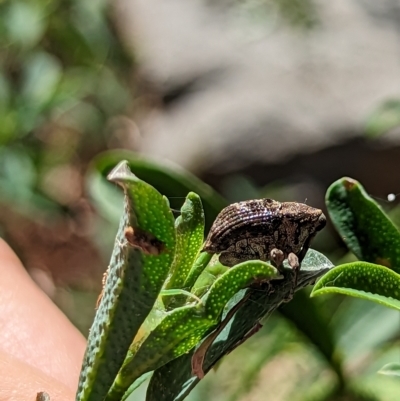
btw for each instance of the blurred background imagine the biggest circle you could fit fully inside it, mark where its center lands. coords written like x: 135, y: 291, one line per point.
x: 258, y: 98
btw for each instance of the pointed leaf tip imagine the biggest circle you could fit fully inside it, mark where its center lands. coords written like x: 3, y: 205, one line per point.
x: 349, y: 183
x: 363, y: 225
x: 391, y: 369
x: 120, y: 172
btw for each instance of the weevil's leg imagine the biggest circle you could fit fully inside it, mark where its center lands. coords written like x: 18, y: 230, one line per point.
x: 200, y: 354
x: 277, y: 256
x: 238, y: 253
x: 242, y: 246
x: 294, y: 263
x: 257, y: 247
x: 305, y: 248
x: 229, y: 259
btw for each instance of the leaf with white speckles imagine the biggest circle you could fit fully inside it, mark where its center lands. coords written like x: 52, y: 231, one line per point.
x: 362, y: 280
x: 183, y: 328
x: 236, y: 278
x: 134, y: 280
x: 198, y: 268
x: 206, y: 279
x: 362, y: 224
x: 189, y: 239
x: 174, y: 381
x: 180, y: 331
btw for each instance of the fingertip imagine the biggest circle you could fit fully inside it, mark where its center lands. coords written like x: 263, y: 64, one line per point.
x: 21, y: 382
x: 34, y: 330
x: 8, y: 257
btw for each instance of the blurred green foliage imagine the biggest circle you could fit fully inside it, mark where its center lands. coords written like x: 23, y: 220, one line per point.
x: 299, y: 15
x: 63, y: 75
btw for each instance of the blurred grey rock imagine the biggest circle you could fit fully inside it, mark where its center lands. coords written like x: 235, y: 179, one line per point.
x: 258, y: 90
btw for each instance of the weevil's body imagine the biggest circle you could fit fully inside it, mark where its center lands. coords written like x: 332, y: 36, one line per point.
x: 264, y: 229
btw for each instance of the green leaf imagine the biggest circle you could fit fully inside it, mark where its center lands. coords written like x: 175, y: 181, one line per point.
x: 361, y: 327
x: 133, y: 283
x: 236, y: 278
x: 42, y: 73
x: 179, y: 291
x: 136, y: 384
x: 362, y: 280
x: 178, y: 332
x: 25, y: 23
x: 362, y: 224
x: 310, y: 319
x: 197, y: 269
x: 189, y: 239
x: 391, y: 369
x: 170, y: 179
x: 208, y: 276
x: 183, y: 328
x: 174, y: 381
x: 374, y: 388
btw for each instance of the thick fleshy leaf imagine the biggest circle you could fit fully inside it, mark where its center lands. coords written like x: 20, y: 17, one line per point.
x: 362, y: 224
x: 391, y: 369
x: 176, y: 334
x: 212, y: 272
x: 233, y: 280
x: 197, y: 269
x: 362, y: 280
x: 189, y: 239
x: 374, y: 388
x: 174, y: 381
x: 170, y: 179
x: 133, y: 283
x: 135, y: 385
x: 183, y: 328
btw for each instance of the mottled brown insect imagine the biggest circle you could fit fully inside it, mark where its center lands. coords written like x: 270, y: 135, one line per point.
x: 261, y: 229
x: 264, y: 229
